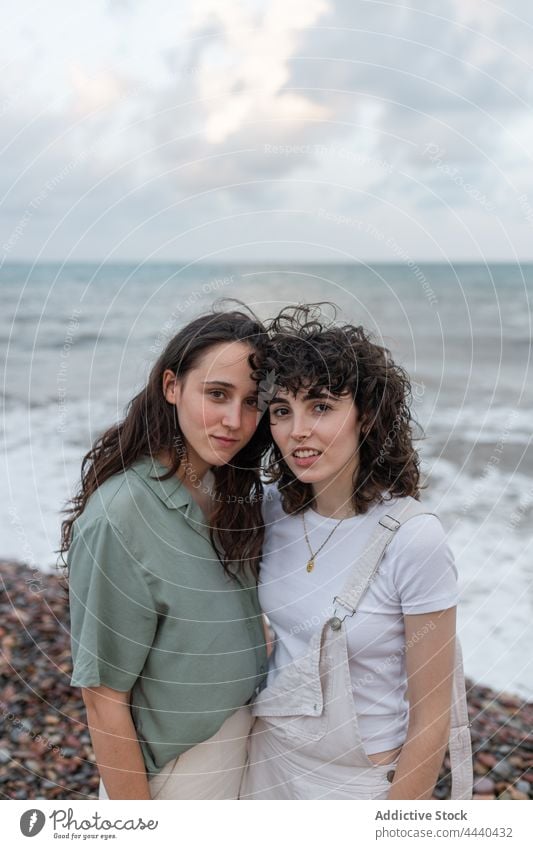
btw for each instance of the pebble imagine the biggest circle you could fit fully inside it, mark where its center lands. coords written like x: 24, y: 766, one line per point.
x: 507, y: 700
x: 33, y: 765
x: 486, y: 759
x: 484, y: 785
x: 513, y: 793
x: 440, y: 792
x: 503, y: 769
x: 479, y: 769
x: 48, y: 706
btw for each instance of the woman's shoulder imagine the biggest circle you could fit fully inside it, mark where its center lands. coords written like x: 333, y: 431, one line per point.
x: 103, y: 501
x: 420, y: 561
x: 114, y: 502
x: 272, y: 507
x: 422, y: 524
x: 420, y: 538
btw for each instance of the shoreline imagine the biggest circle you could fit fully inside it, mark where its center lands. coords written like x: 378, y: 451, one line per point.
x: 45, y: 747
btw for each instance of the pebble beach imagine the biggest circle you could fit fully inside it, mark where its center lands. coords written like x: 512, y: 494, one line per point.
x: 45, y: 747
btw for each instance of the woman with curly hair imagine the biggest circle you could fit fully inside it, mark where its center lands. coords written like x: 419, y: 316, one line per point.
x: 163, y: 543
x: 365, y: 687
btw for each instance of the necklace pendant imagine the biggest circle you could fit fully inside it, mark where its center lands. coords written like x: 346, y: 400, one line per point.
x: 310, y: 565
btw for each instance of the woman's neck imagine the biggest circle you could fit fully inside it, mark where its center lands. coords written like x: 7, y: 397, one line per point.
x: 332, y: 502
x: 333, y: 497
x: 191, y: 469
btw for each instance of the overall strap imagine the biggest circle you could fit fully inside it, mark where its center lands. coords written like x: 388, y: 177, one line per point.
x: 365, y: 569
x: 368, y: 561
x: 460, y: 742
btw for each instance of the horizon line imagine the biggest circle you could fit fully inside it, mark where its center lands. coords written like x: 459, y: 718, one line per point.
x: 266, y: 262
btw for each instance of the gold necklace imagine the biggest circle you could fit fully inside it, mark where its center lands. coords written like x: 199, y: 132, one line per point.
x: 311, y: 562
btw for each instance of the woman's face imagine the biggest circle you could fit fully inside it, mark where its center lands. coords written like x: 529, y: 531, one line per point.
x: 318, y: 437
x: 216, y: 404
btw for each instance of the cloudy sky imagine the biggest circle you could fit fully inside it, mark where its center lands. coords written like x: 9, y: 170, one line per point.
x: 336, y: 130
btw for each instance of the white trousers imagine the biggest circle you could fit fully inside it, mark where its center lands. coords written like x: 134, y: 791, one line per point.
x: 211, y: 770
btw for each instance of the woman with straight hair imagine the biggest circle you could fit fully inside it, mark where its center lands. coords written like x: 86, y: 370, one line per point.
x: 365, y: 688
x: 163, y: 542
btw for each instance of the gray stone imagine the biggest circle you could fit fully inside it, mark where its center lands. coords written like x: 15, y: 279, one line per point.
x: 502, y: 769
x: 484, y: 785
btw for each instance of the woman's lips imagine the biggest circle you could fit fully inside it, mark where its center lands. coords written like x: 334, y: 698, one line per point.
x: 225, y: 442
x: 303, y: 462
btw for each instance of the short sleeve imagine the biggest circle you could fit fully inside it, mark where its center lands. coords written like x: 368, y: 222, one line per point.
x: 113, y: 620
x: 423, y: 568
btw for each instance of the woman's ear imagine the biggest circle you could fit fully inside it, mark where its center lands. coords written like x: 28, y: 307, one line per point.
x: 171, y: 386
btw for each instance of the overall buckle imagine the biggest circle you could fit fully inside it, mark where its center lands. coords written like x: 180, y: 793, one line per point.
x: 389, y: 522
x: 335, y: 623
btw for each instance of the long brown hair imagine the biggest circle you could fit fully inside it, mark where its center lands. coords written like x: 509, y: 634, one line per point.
x: 308, y: 350
x: 150, y: 426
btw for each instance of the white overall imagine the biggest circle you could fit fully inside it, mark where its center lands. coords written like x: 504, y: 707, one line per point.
x: 305, y: 742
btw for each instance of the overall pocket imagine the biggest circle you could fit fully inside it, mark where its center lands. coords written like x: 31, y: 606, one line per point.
x: 293, y: 705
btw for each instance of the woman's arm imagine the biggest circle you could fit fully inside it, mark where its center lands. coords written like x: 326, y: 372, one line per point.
x: 430, y: 658
x: 116, y: 746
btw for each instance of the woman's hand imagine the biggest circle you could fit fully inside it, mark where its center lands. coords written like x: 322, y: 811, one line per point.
x: 430, y: 660
x: 116, y: 746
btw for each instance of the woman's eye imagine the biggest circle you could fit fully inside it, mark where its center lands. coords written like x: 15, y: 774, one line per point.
x: 324, y: 407
x: 217, y: 394
x: 277, y: 412
x: 252, y: 402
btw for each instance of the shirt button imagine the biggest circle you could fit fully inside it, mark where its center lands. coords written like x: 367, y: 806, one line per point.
x: 390, y: 775
x: 335, y: 623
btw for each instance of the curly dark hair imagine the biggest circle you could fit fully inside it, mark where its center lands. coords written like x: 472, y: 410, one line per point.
x: 150, y: 426
x: 309, y: 350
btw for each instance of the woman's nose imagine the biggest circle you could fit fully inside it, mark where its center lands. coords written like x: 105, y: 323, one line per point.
x: 232, y: 416
x: 300, y: 429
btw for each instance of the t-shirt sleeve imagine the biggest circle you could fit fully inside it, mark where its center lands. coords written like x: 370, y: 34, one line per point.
x: 113, y: 620
x: 424, y: 571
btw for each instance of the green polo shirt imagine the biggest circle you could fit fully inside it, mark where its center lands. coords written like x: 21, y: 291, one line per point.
x: 152, y: 611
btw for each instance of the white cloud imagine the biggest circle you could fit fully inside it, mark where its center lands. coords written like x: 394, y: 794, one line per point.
x: 251, y: 65
x: 94, y: 92
x: 171, y: 104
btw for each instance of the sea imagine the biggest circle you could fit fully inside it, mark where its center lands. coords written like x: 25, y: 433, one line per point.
x: 78, y: 340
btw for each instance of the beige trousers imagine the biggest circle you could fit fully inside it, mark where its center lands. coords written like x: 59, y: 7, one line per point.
x: 211, y: 770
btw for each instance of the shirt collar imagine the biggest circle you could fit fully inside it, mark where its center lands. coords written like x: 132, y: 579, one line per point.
x: 172, y: 492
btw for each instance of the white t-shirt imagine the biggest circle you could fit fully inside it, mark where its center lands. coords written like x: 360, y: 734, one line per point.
x: 417, y: 575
